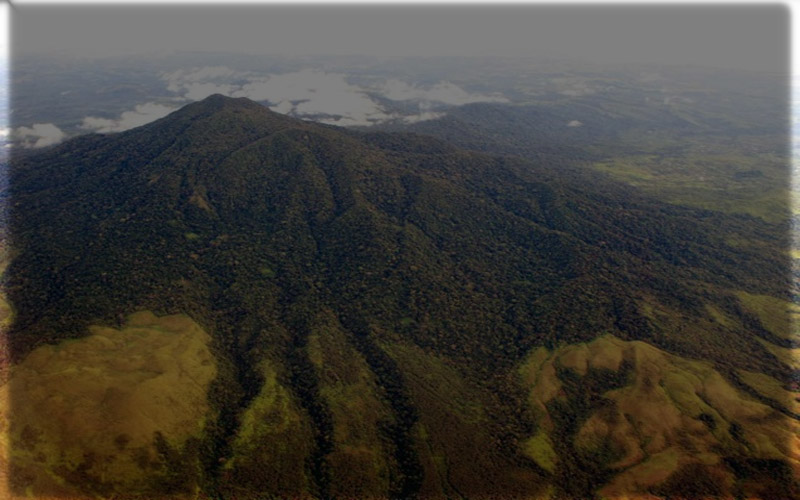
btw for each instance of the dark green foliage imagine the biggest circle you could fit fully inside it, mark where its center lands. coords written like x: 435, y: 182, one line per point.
x: 398, y: 432
x: 693, y: 481
x: 735, y: 430
x: 579, y: 473
x: 305, y: 383
x: 764, y: 478
x: 251, y: 222
x: 708, y: 420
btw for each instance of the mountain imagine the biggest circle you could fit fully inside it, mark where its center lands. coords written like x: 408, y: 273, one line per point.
x: 686, y: 150
x: 372, y: 315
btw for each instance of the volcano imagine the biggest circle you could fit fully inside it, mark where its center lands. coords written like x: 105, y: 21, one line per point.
x: 381, y: 315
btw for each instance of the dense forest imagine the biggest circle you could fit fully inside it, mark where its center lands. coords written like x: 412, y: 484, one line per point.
x: 385, y: 309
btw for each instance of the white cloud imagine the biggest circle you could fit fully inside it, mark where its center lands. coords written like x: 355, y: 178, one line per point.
x: 577, y: 91
x: 398, y: 90
x: 141, y: 115
x: 313, y: 93
x: 442, y: 92
x: 320, y: 95
x: 39, y: 135
x: 424, y: 116
x: 574, y: 123
x: 284, y: 107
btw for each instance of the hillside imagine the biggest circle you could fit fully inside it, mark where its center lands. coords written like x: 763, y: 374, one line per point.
x: 373, y: 303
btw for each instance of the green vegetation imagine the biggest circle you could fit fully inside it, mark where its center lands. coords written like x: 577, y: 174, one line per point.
x: 789, y: 357
x: 271, y: 445
x: 770, y: 388
x: 540, y: 449
x: 459, y: 422
x: 780, y: 317
x: 732, y: 181
x: 118, y: 410
x: 652, y: 416
x: 361, y: 461
x: 390, y: 316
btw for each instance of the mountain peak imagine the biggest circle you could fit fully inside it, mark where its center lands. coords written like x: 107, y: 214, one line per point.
x: 433, y: 286
x: 219, y: 101
x: 220, y: 120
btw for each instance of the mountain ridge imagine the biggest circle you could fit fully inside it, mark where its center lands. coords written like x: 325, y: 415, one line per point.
x: 401, y: 260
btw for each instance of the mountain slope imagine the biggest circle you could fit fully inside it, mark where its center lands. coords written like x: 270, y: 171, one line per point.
x: 370, y: 298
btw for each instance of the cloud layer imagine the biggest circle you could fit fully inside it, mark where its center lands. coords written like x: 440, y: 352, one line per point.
x: 323, y: 96
x: 313, y: 94
x: 141, y: 115
x: 441, y: 93
x: 309, y: 93
x: 38, y: 135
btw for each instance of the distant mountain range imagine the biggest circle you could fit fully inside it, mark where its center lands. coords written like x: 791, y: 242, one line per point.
x: 386, y: 316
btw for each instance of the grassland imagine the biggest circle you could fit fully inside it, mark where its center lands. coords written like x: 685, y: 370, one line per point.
x: 778, y: 316
x: 272, y: 443
x: 787, y: 356
x: 750, y: 177
x: 361, y: 464
x: 109, y: 410
x: 645, y: 416
x: 770, y: 388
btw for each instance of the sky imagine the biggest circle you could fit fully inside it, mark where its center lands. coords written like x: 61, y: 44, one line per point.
x: 724, y: 35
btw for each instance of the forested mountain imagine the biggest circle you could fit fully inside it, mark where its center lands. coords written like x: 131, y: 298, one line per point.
x: 374, y: 315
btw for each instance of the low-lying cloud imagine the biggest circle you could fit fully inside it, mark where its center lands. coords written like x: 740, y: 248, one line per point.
x: 313, y: 94
x: 141, y: 115
x: 421, y: 117
x: 38, y: 135
x: 442, y: 92
x: 324, y: 96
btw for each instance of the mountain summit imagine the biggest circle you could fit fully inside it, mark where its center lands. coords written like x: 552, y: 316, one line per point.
x: 390, y: 316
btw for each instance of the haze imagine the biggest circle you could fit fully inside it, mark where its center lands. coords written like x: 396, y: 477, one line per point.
x: 740, y: 37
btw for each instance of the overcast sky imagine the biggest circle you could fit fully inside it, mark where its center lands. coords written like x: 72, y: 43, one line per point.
x: 728, y: 36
